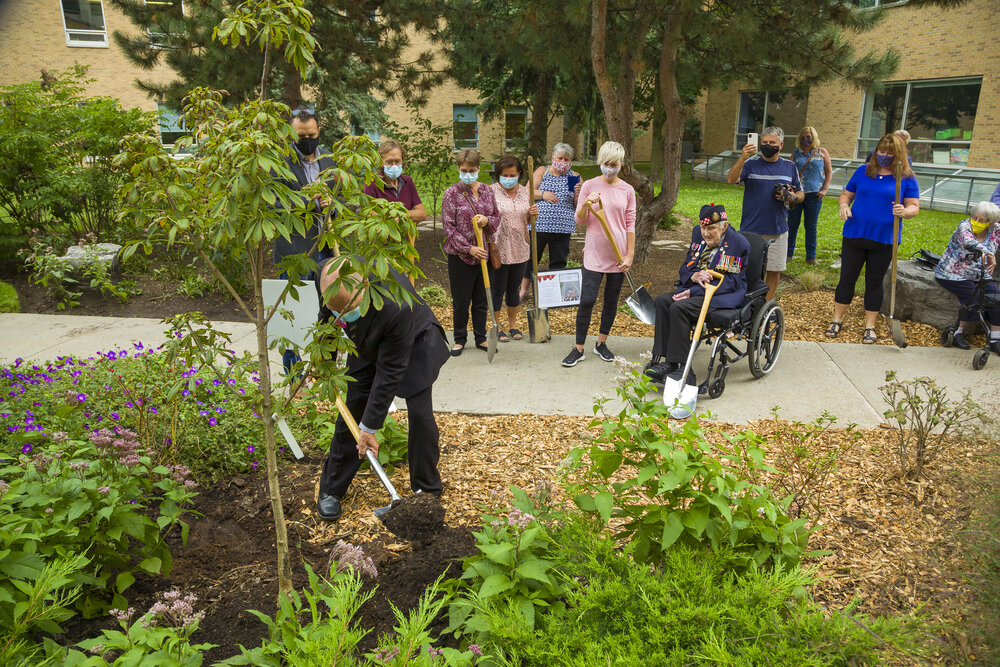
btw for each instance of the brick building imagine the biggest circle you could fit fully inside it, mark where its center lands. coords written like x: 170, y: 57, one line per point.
x: 946, y: 93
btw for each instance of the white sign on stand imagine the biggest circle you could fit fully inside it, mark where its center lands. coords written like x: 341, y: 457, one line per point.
x: 559, y: 289
x: 304, y: 311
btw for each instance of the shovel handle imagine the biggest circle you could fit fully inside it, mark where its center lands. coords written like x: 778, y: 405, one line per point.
x: 709, y: 291
x: 479, y: 242
x: 599, y: 214
x: 352, y: 426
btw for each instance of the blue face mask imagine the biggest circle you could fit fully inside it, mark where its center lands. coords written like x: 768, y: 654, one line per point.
x: 393, y: 170
x: 468, y: 178
x: 508, y: 182
x: 352, y: 315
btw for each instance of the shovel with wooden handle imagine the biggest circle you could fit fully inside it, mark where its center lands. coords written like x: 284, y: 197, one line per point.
x: 640, y: 302
x: 894, y: 326
x: 538, y: 318
x: 493, y: 333
x: 679, y: 396
x: 352, y: 425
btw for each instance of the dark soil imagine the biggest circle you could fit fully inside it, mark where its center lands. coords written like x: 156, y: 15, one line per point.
x: 418, y: 517
x: 230, y: 563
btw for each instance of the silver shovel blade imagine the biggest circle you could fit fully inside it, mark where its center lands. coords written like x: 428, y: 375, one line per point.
x: 642, y: 306
x: 680, y: 398
x: 896, y: 329
x: 538, y: 326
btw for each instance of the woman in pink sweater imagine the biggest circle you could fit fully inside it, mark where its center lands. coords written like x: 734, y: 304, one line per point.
x: 618, y: 200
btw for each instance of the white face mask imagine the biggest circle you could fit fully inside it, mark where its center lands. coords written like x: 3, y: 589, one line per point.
x: 393, y: 170
x: 610, y: 172
x: 468, y: 178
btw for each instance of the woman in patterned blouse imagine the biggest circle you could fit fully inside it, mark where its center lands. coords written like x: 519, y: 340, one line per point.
x: 512, y: 239
x: 959, y: 269
x: 466, y: 203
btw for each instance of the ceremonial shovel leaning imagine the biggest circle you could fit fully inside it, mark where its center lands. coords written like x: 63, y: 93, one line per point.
x: 895, y: 328
x: 538, y: 318
x: 680, y: 397
x: 372, y: 459
x: 493, y: 334
x: 640, y: 302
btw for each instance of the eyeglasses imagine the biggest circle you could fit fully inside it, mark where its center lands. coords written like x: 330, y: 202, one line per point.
x: 303, y: 110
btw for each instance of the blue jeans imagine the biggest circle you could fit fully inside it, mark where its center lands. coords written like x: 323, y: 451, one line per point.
x: 810, y: 206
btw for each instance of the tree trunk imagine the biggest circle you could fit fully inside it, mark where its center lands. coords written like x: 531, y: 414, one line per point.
x: 538, y: 129
x: 656, y: 155
x: 266, y: 407
x: 291, y: 87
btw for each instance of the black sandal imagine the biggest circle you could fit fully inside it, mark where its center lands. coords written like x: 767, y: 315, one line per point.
x: 834, y: 329
x: 869, y: 338
x: 516, y: 334
x: 503, y: 337
x: 457, y: 351
x: 485, y: 347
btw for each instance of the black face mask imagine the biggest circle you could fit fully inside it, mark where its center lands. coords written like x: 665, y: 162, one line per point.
x: 769, y: 150
x: 307, y: 145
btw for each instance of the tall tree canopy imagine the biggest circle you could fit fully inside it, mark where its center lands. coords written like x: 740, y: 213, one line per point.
x: 360, y: 48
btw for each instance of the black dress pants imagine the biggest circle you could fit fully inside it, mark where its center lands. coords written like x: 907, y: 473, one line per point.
x: 672, y: 329
x: 467, y: 286
x: 875, y: 258
x: 342, y: 462
x: 558, y: 245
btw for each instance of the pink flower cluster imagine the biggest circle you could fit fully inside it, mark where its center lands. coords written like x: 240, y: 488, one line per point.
x: 174, y: 610
x: 350, y: 557
x: 518, y: 519
x: 122, y: 443
x: 386, y: 654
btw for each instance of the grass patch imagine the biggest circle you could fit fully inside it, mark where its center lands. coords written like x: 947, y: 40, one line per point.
x: 983, y: 541
x: 435, y: 295
x: 8, y: 299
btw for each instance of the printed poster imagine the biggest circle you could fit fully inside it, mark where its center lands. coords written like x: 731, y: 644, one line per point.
x: 559, y: 289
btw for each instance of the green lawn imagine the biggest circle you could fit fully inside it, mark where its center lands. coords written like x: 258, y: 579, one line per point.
x: 8, y: 299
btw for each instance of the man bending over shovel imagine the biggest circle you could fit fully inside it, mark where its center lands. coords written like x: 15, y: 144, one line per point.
x: 400, y: 350
x: 714, y: 245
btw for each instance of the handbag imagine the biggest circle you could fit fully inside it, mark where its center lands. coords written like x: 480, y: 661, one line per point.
x: 491, y: 246
x: 926, y: 258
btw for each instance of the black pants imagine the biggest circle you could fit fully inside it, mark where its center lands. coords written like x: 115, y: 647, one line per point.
x: 506, y: 281
x: 342, y: 462
x: 466, y: 281
x: 588, y: 297
x: 558, y: 245
x: 965, y: 290
x: 875, y: 257
x: 672, y: 329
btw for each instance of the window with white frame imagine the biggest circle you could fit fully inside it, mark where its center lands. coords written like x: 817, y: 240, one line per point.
x: 939, y: 115
x: 172, y: 125
x: 466, y: 124
x: 515, y: 129
x: 872, y: 4
x: 167, y: 19
x: 781, y: 108
x: 83, y: 21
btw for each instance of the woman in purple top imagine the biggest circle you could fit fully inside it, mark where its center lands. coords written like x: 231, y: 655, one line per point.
x: 398, y: 186
x: 464, y: 204
x: 868, y: 209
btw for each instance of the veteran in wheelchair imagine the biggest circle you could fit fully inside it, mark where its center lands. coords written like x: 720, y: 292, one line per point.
x: 740, y: 319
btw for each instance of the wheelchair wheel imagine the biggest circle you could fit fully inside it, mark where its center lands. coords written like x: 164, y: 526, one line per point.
x: 716, y: 388
x: 948, y: 337
x: 768, y: 333
x: 979, y: 359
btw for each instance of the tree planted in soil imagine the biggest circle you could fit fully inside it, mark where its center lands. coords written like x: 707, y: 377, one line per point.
x: 230, y: 199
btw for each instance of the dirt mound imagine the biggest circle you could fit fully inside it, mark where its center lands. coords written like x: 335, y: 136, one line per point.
x: 418, y: 518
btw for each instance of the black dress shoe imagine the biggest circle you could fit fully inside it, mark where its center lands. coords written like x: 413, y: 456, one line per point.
x: 960, y: 341
x: 328, y: 507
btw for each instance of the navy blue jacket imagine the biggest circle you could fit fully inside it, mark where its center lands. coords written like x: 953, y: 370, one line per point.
x: 733, y: 255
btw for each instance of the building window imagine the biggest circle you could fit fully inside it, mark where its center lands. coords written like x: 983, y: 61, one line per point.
x: 872, y: 4
x: 466, y: 124
x: 83, y: 21
x: 782, y: 108
x: 938, y: 114
x: 515, y: 130
x: 172, y: 125
x: 167, y: 19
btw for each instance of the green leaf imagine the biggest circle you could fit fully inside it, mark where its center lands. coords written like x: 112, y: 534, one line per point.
x: 123, y: 581
x: 151, y: 565
x: 494, y: 585
x: 604, y: 501
x: 528, y: 610
x: 77, y: 509
x: 672, y: 529
x: 585, y: 502
x: 534, y: 568
x: 499, y: 553
x: 696, y: 518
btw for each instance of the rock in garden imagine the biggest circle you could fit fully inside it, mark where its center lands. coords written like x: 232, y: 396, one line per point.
x: 105, y: 253
x: 919, y: 297
x: 418, y: 518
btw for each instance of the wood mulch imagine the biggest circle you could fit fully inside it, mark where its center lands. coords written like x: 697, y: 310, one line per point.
x: 895, y: 546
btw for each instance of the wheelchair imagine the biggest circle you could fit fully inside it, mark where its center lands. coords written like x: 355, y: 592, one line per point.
x: 754, y: 331
x: 984, y: 302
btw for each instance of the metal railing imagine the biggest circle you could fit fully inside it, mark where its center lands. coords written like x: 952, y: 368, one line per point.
x: 941, y: 189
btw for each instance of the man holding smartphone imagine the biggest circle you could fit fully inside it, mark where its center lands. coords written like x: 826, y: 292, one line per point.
x: 771, y: 187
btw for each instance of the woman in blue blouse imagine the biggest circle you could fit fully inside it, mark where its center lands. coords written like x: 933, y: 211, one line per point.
x: 868, y: 207
x: 960, y: 269
x: 815, y: 172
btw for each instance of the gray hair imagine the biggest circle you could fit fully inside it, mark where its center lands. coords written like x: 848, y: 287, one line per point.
x: 774, y: 131
x: 987, y: 210
x: 904, y: 135
x: 611, y: 151
x: 562, y: 149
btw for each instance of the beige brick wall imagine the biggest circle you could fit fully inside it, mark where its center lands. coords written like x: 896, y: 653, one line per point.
x: 32, y: 38
x: 933, y: 43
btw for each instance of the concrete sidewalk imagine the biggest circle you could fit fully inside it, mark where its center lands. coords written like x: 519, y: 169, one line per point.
x: 809, y: 378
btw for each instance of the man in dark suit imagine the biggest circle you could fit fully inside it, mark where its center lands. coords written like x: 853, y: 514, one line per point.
x: 400, y: 350
x: 306, y: 162
x: 714, y: 245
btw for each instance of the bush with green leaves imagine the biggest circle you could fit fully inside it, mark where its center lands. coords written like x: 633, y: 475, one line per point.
x: 100, y: 497
x: 663, y: 484
x: 181, y: 414
x: 514, y: 569
x: 9, y: 302
x: 696, y: 607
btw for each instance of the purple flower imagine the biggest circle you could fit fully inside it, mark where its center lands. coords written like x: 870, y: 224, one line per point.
x: 213, y: 421
x: 203, y: 413
x: 250, y: 448
x: 115, y: 415
x: 475, y: 649
x: 81, y: 397
x: 26, y: 448
x: 220, y: 411
x: 186, y: 393
x: 153, y: 409
x: 130, y: 404
x: 254, y: 465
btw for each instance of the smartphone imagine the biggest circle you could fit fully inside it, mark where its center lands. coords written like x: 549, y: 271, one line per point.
x: 753, y: 138
x: 571, y: 181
